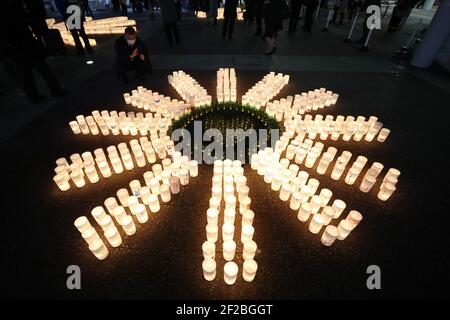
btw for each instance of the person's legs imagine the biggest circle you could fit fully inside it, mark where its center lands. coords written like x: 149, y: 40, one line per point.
x: 175, y: 32
x: 230, y: 32
x: 124, y: 8
x: 258, y: 25
x: 85, y: 38
x: 168, y: 33
x: 225, y: 27
x: 27, y: 82
x: 49, y: 76
x: 77, y: 41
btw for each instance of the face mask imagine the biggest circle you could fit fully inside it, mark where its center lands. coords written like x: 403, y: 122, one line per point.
x: 131, y: 42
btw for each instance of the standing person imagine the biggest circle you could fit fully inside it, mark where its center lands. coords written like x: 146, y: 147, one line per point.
x: 296, y: 6
x: 311, y: 6
x: 169, y: 18
x: 116, y: 5
x: 229, y: 17
x: 366, y: 4
x: 212, y: 15
x: 123, y: 7
x: 273, y: 18
x: 86, y: 8
x: 78, y: 33
x: 131, y: 55
x: 20, y: 46
x: 258, y: 13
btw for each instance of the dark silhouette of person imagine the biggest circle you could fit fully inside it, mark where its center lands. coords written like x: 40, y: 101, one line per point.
x: 273, y: 19
x: 229, y: 18
x: 296, y: 6
x: 19, y: 45
x: 310, y: 8
x: 169, y: 17
x: 131, y: 55
x: 258, y: 13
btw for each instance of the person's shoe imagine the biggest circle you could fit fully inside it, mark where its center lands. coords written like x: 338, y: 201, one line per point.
x: 271, y: 51
x: 60, y: 93
x: 37, y: 98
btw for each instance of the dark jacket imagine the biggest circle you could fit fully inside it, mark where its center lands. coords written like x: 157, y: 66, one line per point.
x: 168, y: 11
x: 124, y: 51
x: 273, y: 15
x: 230, y: 9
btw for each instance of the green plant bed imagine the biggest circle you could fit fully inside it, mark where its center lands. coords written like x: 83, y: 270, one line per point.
x: 229, y: 115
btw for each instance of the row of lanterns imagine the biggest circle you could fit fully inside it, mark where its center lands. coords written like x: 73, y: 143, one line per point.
x: 301, y: 192
x: 159, y: 184
x: 189, y: 89
x: 226, y: 85
x: 264, y: 90
x: 229, y: 192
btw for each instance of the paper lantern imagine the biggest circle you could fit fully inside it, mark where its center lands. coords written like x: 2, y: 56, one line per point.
x: 304, y: 212
x: 382, y: 136
x: 174, y: 185
x: 140, y: 212
x: 209, y: 269
x: 113, y: 237
x: 135, y: 187
x: 119, y: 213
x: 230, y: 201
x: 106, y: 223
x: 193, y: 168
x: 325, y: 196
x: 328, y: 214
x: 77, y: 178
x: 209, y: 250
x: 89, y: 235
x: 367, y: 183
x: 228, y: 191
x: 344, y: 228
x: 154, y: 186
x: 61, y: 182
x: 214, y: 203
x: 184, y: 176
x: 82, y: 223
x: 249, y: 270
x: 338, y: 206
x: 285, y: 192
x: 98, y: 213
x: 212, y: 232
x: 75, y: 127
x: 91, y: 173
x: 99, y: 249
x: 154, y: 203
x: 227, y: 231
x: 249, y: 250
x: 247, y: 217
x: 231, y: 270
x: 386, y: 190
x: 329, y: 235
x: 123, y: 196
x: 165, y: 193
x: 244, y: 204
x: 316, y: 224
x: 229, y: 215
x: 243, y: 192
x: 128, y: 225
x: 354, y: 217
x: 212, y: 215
x: 110, y: 204
x: 247, y: 233
x: 229, y: 249
x: 296, y: 201
x: 313, y: 186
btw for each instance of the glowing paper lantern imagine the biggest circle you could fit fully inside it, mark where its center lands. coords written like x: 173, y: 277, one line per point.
x: 329, y: 235
x: 231, y: 270
x: 249, y: 270
x: 316, y: 224
x: 209, y: 250
x: 209, y: 269
x: 229, y: 249
x: 82, y: 223
x: 128, y: 225
x: 99, y: 249
x: 212, y: 232
x: 113, y: 237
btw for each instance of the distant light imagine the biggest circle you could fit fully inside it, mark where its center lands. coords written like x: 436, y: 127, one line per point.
x: 89, y: 62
